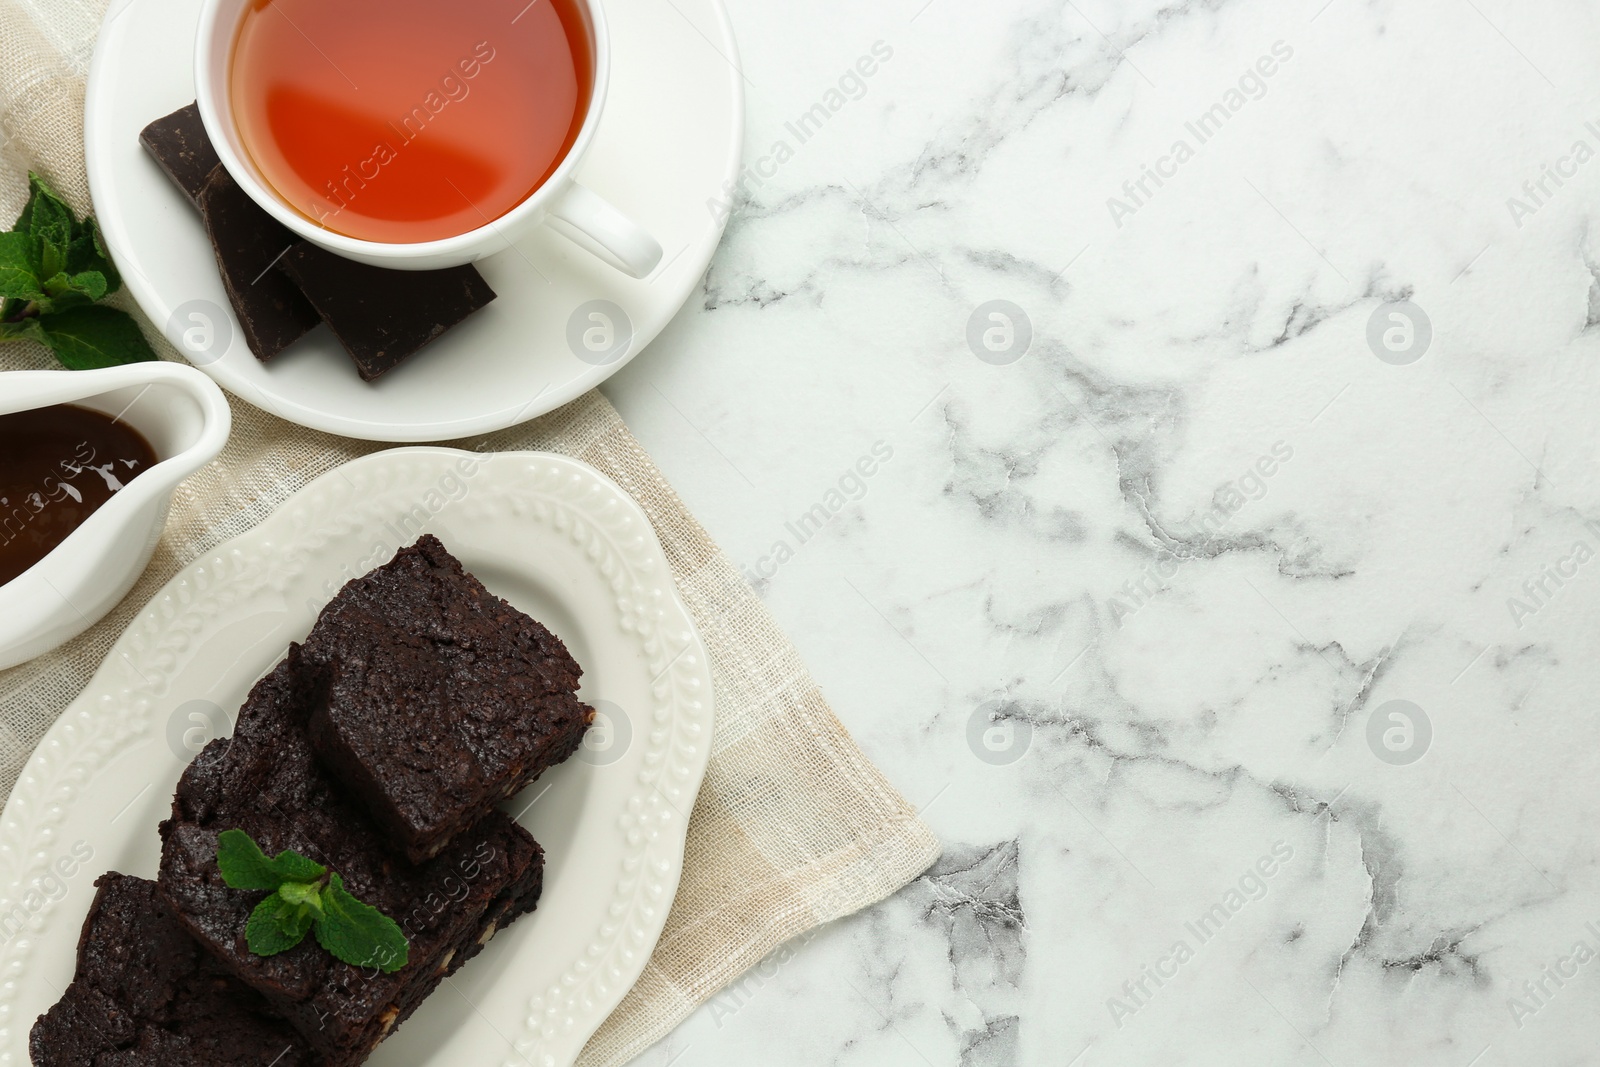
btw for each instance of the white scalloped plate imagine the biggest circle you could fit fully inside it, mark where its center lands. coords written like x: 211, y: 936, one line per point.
x: 550, y: 534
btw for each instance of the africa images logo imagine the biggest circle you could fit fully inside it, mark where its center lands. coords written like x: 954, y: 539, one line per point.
x: 850, y: 86
x: 1251, y: 886
x: 850, y: 487
x: 1251, y: 85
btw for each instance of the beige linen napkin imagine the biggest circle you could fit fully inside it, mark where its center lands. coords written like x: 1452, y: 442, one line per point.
x: 793, y: 826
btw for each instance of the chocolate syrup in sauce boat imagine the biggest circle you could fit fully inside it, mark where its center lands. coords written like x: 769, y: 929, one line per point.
x: 58, y: 466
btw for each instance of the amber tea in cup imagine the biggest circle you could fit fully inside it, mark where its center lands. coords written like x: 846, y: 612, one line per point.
x: 409, y: 121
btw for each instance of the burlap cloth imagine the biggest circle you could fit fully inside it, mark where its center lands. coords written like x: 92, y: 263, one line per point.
x: 793, y: 826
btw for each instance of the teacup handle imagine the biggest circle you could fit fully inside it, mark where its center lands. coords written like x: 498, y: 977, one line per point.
x: 589, y: 220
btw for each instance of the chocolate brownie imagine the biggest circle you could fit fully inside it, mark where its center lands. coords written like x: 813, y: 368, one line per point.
x: 145, y: 995
x: 440, y: 699
x: 266, y: 781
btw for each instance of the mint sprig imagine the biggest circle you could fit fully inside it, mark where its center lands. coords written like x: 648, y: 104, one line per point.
x: 307, y: 897
x: 54, y: 271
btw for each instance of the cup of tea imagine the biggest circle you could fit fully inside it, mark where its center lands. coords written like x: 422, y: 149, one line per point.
x: 412, y: 135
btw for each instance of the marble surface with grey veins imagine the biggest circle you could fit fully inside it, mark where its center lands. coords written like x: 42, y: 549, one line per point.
x: 1224, y: 582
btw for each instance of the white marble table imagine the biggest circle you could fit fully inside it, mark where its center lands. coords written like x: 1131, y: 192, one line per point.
x: 1130, y: 613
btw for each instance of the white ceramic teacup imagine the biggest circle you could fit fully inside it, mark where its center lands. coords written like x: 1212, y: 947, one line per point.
x: 185, y: 418
x: 561, y: 202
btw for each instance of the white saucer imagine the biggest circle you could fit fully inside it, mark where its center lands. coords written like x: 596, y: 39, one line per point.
x: 669, y: 139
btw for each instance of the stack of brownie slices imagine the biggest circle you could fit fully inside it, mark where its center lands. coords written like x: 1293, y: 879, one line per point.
x: 281, y: 287
x: 379, y: 748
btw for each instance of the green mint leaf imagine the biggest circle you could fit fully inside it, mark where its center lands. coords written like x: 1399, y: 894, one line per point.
x: 25, y: 329
x: 21, y: 266
x: 306, y: 895
x: 90, y: 283
x: 88, y: 253
x: 61, y: 295
x: 97, y: 336
x: 66, y: 291
x: 245, y: 866
x: 54, y: 269
x: 44, y: 211
x: 276, y: 926
x: 47, y: 217
x: 358, y: 933
x: 24, y: 223
x: 52, y: 258
x: 65, y: 302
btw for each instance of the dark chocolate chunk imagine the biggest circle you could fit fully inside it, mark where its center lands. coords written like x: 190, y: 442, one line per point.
x: 249, y: 243
x: 440, y: 699
x: 179, y: 143
x: 266, y: 781
x: 382, y: 316
x: 145, y: 995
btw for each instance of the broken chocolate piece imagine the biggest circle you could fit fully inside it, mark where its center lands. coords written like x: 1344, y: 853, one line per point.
x: 179, y: 143
x: 272, y: 312
x: 382, y: 316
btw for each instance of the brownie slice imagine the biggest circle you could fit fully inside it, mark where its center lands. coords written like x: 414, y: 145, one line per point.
x: 440, y: 699
x: 146, y: 996
x: 181, y: 146
x: 382, y: 316
x: 272, y: 311
x: 266, y: 781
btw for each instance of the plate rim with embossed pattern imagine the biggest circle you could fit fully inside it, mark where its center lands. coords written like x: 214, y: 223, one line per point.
x: 539, y: 521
